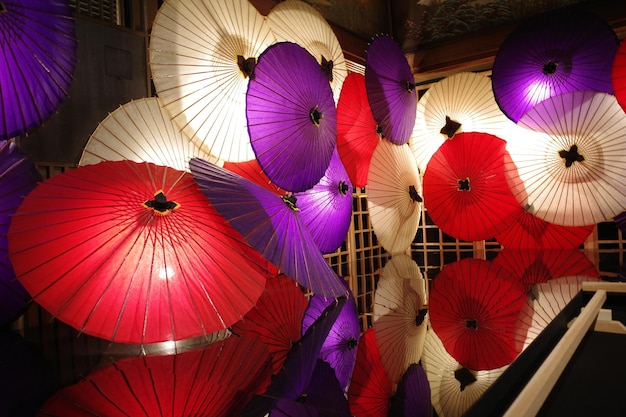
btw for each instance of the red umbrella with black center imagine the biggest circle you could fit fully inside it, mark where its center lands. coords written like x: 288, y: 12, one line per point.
x: 133, y: 252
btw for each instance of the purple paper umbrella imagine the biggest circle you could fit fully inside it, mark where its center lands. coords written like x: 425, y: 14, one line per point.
x: 18, y: 176
x: 412, y: 397
x: 271, y: 224
x: 390, y: 89
x: 554, y: 53
x: 37, y: 62
x: 340, y: 347
x: 326, y: 209
x: 296, y: 381
x: 292, y: 119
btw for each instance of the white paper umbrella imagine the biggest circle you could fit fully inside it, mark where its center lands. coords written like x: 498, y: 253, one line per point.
x: 296, y: 21
x: 574, y: 173
x: 453, y: 388
x: 394, y: 196
x: 202, y: 54
x: 462, y: 102
x: 400, y: 315
x: 140, y: 131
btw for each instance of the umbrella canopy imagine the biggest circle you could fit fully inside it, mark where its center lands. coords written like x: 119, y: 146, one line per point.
x: 400, y: 315
x: 276, y: 319
x: 270, y: 224
x: 18, y: 176
x: 394, y: 196
x: 215, y: 380
x: 296, y: 21
x: 202, y: 56
x: 390, y: 89
x: 573, y: 174
x: 140, y: 131
x: 292, y: 117
x: 339, y: 348
x: 454, y: 388
x: 462, y: 102
x: 251, y: 170
x: 370, y: 387
x: 357, y: 131
x: 412, y: 397
x: 618, y: 75
x: 550, y: 54
x: 38, y: 49
x: 466, y: 191
x: 133, y: 252
x: 474, y: 308
x: 326, y: 209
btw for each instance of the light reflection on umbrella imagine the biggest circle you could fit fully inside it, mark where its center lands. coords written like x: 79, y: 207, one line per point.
x: 618, y: 75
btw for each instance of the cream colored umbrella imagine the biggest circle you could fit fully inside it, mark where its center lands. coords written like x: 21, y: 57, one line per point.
x: 573, y: 173
x: 140, y: 131
x: 462, y: 102
x: 453, y: 388
x: 394, y: 196
x: 202, y: 54
x: 296, y: 21
x: 400, y: 315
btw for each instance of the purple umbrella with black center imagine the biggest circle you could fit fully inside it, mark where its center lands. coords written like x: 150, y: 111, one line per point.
x: 292, y: 119
x: 558, y: 52
x: 37, y: 62
x: 390, y: 89
x: 18, y: 176
x: 340, y: 346
x: 271, y: 224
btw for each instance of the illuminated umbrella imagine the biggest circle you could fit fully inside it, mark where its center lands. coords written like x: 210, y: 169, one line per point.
x: 270, y: 224
x: 202, y: 56
x: 390, y: 89
x: 215, y: 380
x: 18, y: 176
x: 133, y: 252
x: 400, y: 315
x: 459, y: 103
x: 618, y: 75
x: 339, y: 348
x: 394, y: 196
x: 454, y: 388
x: 573, y: 174
x: 465, y: 188
x: 276, y: 320
x: 370, y: 387
x: 326, y: 209
x: 296, y: 21
x: 550, y: 54
x: 38, y: 48
x: 357, y: 131
x: 412, y: 397
x: 140, y: 131
x: 474, y: 308
x: 291, y: 117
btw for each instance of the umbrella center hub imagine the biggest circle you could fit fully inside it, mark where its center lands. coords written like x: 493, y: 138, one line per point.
x: 549, y: 67
x: 327, y: 68
x: 343, y: 187
x: 160, y: 205
x: 291, y: 201
x: 471, y: 324
x: 464, y: 185
x: 246, y: 65
x: 315, y: 116
x: 410, y: 87
x: 302, y: 398
x: 414, y: 195
x: 465, y: 377
x: 570, y: 156
x: 450, y: 128
x: 3, y: 8
x: 421, y: 315
x: 379, y: 131
x: 352, y: 343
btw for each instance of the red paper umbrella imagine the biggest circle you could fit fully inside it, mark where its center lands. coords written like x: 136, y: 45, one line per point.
x: 133, y: 252
x: 370, y: 388
x: 252, y: 171
x: 276, y: 320
x: 465, y: 189
x: 213, y: 381
x: 618, y: 75
x: 474, y: 308
x: 357, y: 131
